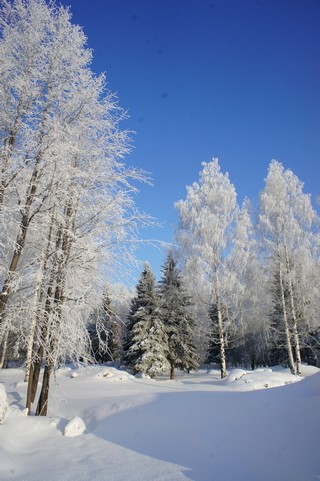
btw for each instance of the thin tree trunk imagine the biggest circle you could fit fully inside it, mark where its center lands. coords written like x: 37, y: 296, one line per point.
x: 8, y: 147
x: 4, y: 349
x: 42, y: 408
x: 63, y: 246
x: 294, y: 317
x: 37, y: 299
x: 286, y: 323
x: 20, y: 241
x: 223, y: 362
x: 172, y: 372
x: 25, y: 221
x: 38, y: 356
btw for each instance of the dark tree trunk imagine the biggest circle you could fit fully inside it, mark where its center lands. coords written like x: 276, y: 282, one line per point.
x: 42, y: 408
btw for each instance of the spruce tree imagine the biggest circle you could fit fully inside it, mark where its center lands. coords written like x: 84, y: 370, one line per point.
x: 146, y: 346
x: 177, y: 320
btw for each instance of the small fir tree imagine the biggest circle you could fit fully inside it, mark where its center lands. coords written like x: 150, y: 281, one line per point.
x: 146, y: 346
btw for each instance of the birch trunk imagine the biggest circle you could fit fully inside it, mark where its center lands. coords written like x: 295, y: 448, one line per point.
x: 223, y: 363
x: 286, y: 323
x: 294, y: 317
x: 64, y: 244
x: 37, y: 298
x: 20, y: 240
x: 4, y: 349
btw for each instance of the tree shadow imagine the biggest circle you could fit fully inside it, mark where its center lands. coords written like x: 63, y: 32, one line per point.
x: 212, y: 436
x: 185, y: 429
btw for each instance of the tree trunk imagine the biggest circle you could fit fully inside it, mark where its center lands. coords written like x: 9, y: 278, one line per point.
x: 54, y: 305
x: 37, y: 300
x: 42, y: 408
x: 294, y: 317
x: 286, y: 323
x: 172, y: 372
x: 20, y: 241
x: 4, y: 349
x: 223, y: 362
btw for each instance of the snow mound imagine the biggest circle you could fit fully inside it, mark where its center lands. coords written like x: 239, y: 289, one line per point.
x: 75, y: 427
x: 3, y: 403
x: 113, y: 374
x: 259, y: 379
x: 235, y: 375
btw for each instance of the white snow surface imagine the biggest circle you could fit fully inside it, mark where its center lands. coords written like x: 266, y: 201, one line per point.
x: 253, y: 426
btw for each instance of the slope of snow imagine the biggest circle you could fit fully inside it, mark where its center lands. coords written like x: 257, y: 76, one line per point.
x: 253, y: 426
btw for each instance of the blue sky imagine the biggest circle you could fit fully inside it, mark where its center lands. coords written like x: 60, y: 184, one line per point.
x: 233, y: 79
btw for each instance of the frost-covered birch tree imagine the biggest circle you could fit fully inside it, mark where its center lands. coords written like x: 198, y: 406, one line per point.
x: 66, y: 195
x: 206, y: 234
x: 286, y: 224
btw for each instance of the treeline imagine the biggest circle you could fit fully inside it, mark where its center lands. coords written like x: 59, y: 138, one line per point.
x: 248, y: 284
x: 256, y: 270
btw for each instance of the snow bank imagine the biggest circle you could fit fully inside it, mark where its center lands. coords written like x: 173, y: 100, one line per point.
x: 75, y: 427
x: 3, y: 403
x: 113, y: 374
x: 259, y: 379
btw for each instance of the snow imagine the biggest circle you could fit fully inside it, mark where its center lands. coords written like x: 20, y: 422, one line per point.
x: 3, y: 403
x: 253, y: 426
x: 75, y: 427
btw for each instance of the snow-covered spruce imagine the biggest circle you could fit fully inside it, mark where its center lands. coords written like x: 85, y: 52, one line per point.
x: 177, y: 319
x: 146, y: 347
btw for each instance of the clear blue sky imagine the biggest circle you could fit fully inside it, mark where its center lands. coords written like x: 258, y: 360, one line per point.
x: 233, y: 79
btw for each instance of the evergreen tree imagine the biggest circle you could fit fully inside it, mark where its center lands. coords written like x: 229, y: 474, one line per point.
x: 146, y: 346
x: 177, y: 320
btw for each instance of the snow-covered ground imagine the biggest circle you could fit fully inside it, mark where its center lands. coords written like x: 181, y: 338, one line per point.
x: 253, y: 426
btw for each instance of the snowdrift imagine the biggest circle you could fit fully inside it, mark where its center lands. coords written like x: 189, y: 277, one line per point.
x: 252, y: 426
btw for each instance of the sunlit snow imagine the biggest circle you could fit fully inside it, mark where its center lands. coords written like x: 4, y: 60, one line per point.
x: 253, y: 426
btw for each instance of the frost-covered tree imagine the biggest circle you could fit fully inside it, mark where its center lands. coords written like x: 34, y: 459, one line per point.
x: 105, y: 332
x: 146, y: 346
x: 255, y: 342
x: 177, y: 319
x: 206, y: 234
x: 286, y: 225
x: 66, y: 205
